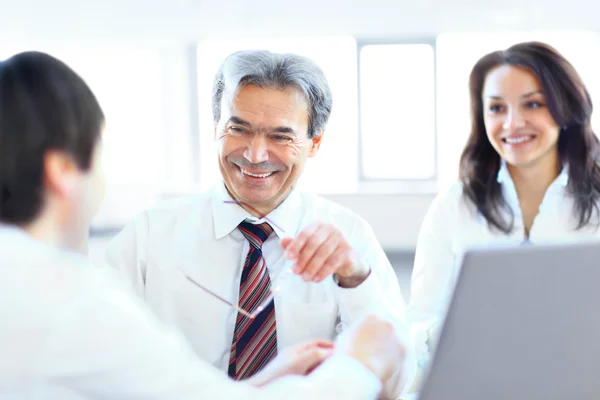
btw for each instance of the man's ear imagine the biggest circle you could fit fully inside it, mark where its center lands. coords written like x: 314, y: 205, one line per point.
x: 60, y: 172
x: 316, y: 144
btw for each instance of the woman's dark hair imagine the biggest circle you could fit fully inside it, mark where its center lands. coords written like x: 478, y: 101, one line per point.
x: 44, y: 106
x: 569, y: 104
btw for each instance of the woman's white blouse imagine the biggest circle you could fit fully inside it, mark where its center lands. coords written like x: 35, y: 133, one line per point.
x: 452, y: 225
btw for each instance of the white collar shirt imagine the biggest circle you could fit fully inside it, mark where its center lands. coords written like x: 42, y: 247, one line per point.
x: 197, y: 237
x: 452, y: 226
x: 73, y: 332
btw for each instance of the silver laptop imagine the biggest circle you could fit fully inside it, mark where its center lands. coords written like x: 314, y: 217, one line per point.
x: 523, y: 323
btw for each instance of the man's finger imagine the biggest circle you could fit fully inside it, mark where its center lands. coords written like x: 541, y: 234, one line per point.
x: 318, y: 246
x: 297, y: 243
x: 313, y: 269
x: 319, y: 343
x: 285, y: 242
x: 311, y: 359
x: 330, y: 265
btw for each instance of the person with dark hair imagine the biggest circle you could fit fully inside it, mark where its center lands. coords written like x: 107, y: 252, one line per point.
x: 70, y: 331
x: 529, y: 173
x: 219, y: 256
x: 50, y: 124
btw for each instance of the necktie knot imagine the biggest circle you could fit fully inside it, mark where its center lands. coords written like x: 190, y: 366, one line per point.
x: 256, y: 234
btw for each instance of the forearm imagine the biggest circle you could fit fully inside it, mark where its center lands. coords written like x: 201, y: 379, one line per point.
x: 340, y: 377
x: 402, y: 381
x: 384, y: 299
x: 373, y: 295
x: 261, y: 379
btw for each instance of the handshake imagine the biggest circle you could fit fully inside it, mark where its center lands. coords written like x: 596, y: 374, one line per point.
x: 374, y: 342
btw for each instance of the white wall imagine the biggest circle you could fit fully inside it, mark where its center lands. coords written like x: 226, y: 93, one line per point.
x: 193, y: 19
x: 396, y: 218
x: 178, y: 24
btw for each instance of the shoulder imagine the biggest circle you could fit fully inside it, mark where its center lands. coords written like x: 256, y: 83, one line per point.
x: 451, y: 194
x: 447, y: 199
x: 174, y: 210
x: 322, y: 204
x: 451, y: 204
x: 328, y: 211
x: 180, y: 205
x: 159, y: 221
x: 42, y: 289
x: 64, y: 278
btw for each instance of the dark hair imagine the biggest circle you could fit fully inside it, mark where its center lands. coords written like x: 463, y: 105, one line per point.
x: 569, y: 104
x: 44, y: 105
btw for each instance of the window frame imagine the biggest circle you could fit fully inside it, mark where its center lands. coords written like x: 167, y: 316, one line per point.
x: 405, y: 185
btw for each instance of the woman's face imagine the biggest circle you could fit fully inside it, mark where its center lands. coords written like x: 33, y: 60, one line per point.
x: 517, y: 121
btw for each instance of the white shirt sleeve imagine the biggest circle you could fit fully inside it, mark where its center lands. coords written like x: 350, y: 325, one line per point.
x: 380, y: 293
x: 110, y: 347
x: 337, y: 378
x: 432, y: 274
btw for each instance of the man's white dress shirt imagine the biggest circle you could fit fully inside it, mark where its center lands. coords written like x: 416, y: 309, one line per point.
x: 70, y: 331
x: 452, y: 226
x: 197, y: 237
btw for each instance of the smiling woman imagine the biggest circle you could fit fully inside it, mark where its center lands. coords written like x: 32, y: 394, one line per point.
x: 528, y: 173
x: 509, y: 92
x: 517, y: 121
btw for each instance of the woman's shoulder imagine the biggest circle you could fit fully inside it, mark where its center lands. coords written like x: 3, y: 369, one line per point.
x: 450, y: 195
x: 451, y: 201
x: 453, y: 190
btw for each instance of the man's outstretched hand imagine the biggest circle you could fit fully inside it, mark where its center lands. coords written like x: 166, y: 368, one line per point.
x: 300, y: 359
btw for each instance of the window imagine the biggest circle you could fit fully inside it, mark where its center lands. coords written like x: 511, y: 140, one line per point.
x: 128, y: 84
x: 457, y: 53
x: 335, y: 168
x: 397, y: 110
x: 136, y: 86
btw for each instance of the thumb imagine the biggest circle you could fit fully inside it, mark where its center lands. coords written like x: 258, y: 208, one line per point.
x: 311, y: 359
x: 285, y: 242
x: 318, y: 343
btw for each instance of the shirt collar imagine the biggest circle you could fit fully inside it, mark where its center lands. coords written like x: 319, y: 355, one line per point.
x: 504, y: 176
x: 9, y: 231
x: 6, y: 229
x: 227, y: 214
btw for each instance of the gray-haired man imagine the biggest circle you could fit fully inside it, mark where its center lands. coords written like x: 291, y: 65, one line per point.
x: 209, y: 264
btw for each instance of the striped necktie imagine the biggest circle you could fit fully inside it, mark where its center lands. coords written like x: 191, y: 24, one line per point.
x: 254, y: 340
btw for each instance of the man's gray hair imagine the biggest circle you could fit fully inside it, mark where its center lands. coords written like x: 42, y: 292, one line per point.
x: 279, y: 71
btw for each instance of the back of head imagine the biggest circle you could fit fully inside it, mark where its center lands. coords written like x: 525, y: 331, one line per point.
x: 278, y: 71
x: 44, y: 106
x: 569, y: 104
